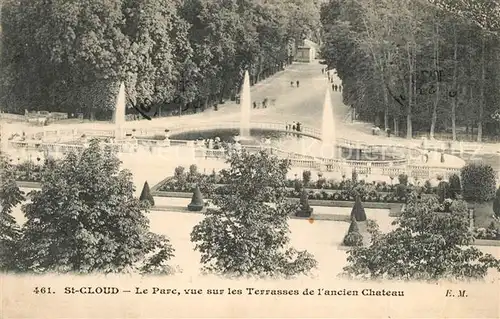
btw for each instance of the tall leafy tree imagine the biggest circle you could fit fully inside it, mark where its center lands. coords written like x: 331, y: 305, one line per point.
x: 246, y: 232
x: 86, y: 219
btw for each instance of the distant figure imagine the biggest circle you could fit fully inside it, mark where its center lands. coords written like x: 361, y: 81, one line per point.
x: 294, y: 126
x: 264, y: 103
x: 335, y: 87
x: 323, y: 71
x: 291, y: 83
x: 298, y: 127
x: 388, y: 132
x: 254, y: 105
x: 297, y: 83
x: 340, y: 88
x: 287, y: 126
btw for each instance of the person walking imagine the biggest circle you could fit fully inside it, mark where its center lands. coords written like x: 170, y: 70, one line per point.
x: 340, y: 88
x: 323, y: 71
x: 297, y: 83
x: 291, y: 83
x: 254, y: 104
x: 335, y: 87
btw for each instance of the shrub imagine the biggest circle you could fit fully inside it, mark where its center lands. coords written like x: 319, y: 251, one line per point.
x: 496, y: 203
x: 193, y: 169
x: 354, y: 176
x: 428, y: 187
x: 306, y: 177
x: 401, y: 190
x: 443, y: 191
x: 304, y: 209
x: 403, y: 179
x: 353, y: 238
x: 179, y: 172
x: 320, y: 183
x: 297, y: 185
x: 455, y: 186
x: 146, y: 194
x: 358, y: 211
x: 417, y: 224
x: 197, y: 202
x: 478, y: 182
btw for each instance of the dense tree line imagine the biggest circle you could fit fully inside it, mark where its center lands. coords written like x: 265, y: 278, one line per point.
x: 72, y: 55
x: 427, y: 65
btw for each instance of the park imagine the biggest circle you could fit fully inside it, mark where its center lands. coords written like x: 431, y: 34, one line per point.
x: 182, y: 147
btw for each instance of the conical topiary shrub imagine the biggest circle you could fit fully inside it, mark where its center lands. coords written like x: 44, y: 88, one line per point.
x: 358, y: 211
x: 353, y: 227
x: 146, y: 194
x: 304, y: 209
x: 353, y: 238
x: 197, y: 202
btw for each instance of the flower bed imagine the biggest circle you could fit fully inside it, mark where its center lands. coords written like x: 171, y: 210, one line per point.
x: 27, y: 172
x: 345, y: 190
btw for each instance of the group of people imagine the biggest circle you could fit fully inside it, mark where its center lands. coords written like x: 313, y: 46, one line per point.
x: 265, y: 103
x: 296, y: 82
x: 295, y: 126
x: 335, y: 87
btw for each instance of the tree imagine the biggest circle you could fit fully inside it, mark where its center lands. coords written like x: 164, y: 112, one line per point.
x: 478, y: 182
x: 417, y: 62
x: 146, y: 194
x: 426, y: 245
x: 246, y: 234
x: 10, y: 232
x: 358, y: 211
x: 85, y: 219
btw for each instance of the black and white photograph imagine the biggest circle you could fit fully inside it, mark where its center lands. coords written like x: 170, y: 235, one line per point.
x: 249, y: 159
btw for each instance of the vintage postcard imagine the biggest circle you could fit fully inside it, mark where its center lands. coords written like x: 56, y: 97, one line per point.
x: 249, y: 159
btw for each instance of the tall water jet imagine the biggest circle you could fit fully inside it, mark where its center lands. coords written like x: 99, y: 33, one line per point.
x: 328, y: 125
x: 245, y: 104
x: 119, y: 116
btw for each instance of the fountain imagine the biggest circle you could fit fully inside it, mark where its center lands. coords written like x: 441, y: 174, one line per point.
x: 328, y: 125
x: 119, y: 116
x: 245, y: 103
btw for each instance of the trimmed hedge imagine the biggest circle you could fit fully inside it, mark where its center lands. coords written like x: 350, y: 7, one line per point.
x: 478, y: 182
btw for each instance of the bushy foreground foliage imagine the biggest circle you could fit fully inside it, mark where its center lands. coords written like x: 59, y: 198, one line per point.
x: 10, y: 232
x: 86, y: 219
x: 426, y: 245
x: 247, y: 234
